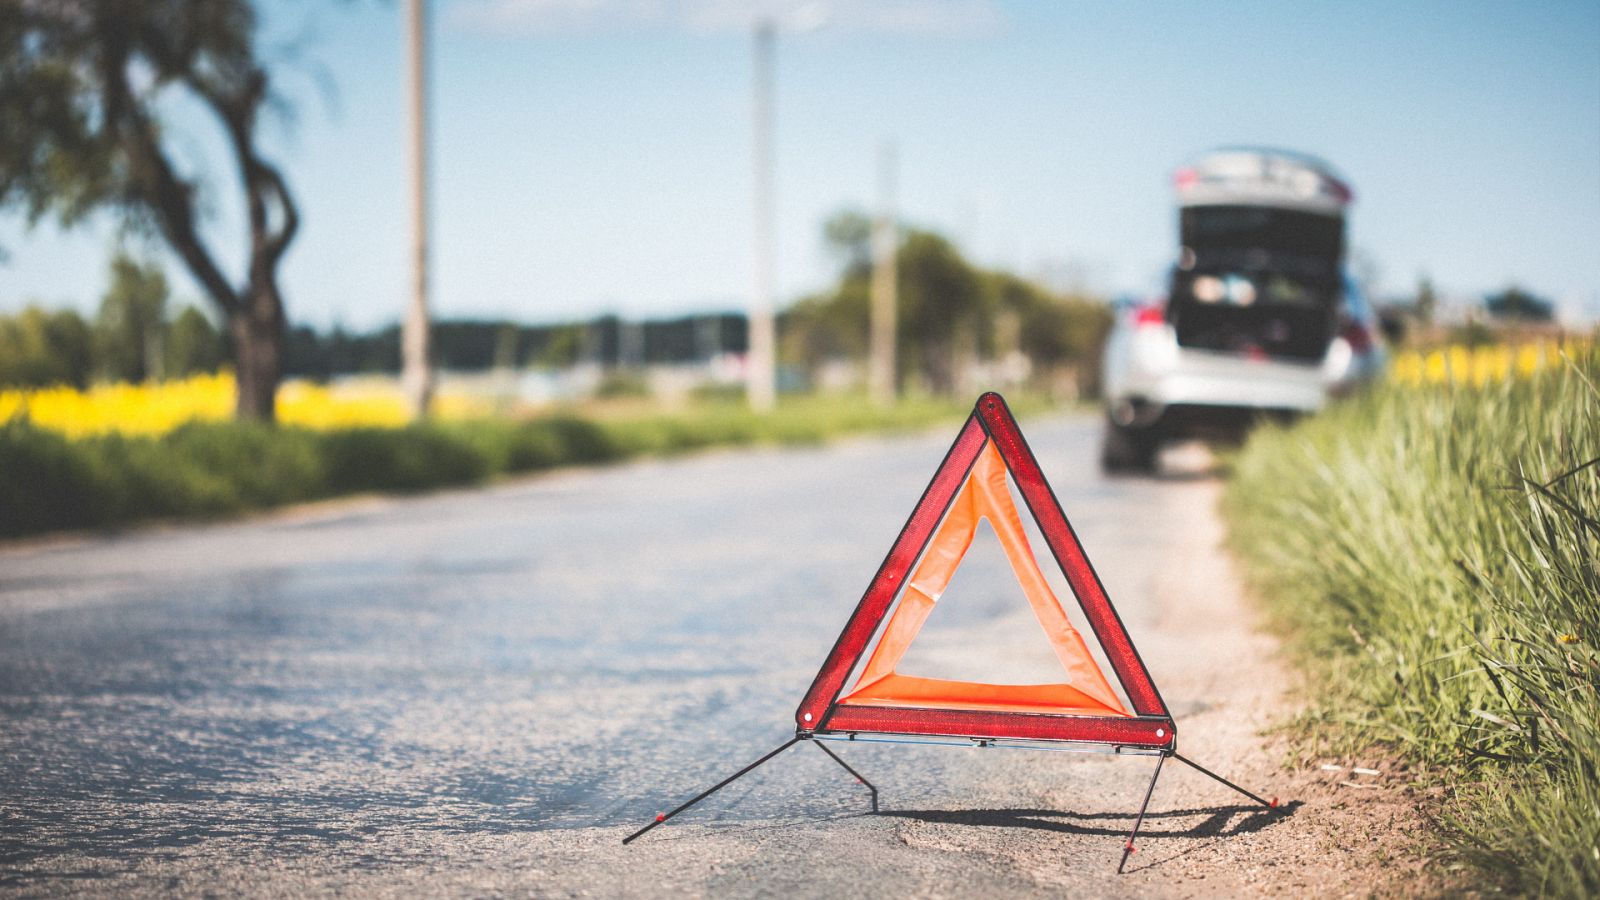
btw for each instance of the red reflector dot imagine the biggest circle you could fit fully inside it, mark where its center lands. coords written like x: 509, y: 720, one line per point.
x: 661, y: 817
x: 1274, y: 803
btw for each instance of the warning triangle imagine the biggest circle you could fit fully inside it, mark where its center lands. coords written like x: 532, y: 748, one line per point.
x: 984, y: 495
x: 971, y: 486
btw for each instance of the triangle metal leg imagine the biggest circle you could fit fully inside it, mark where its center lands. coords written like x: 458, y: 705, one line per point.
x: 1269, y: 804
x: 1127, y: 848
x: 662, y: 819
x: 870, y: 786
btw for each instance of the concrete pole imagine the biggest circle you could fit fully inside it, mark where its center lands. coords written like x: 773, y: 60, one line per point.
x: 416, y: 374
x: 761, y: 363
x: 885, y: 244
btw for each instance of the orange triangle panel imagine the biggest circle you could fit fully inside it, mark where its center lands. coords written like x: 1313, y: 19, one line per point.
x: 971, y: 486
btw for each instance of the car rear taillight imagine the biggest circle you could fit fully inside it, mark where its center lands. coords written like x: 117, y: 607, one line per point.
x: 1150, y: 315
x: 1357, y: 336
x: 1185, y: 178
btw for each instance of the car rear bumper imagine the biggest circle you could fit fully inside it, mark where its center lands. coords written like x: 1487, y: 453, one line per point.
x: 1194, y: 382
x: 1208, y: 379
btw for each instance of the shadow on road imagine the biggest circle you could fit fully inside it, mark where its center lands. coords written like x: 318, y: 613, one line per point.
x: 1186, y: 462
x: 1219, y: 820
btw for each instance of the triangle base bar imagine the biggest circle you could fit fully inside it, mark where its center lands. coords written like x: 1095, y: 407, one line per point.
x: 819, y: 738
x: 1139, y: 731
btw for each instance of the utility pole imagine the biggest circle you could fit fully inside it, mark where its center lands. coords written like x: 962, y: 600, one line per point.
x: 416, y: 373
x: 885, y: 246
x: 760, y: 362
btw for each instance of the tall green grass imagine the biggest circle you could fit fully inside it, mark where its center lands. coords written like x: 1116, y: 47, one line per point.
x: 1434, y: 554
x: 208, y: 469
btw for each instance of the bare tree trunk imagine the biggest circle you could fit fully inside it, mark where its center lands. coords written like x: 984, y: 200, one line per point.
x: 256, y: 313
x: 258, y: 354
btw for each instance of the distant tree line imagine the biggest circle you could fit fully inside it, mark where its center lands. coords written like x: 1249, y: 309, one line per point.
x: 1517, y: 305
x: 132, y: 339
x: 1417, y: 318
x: 951, y: 313
x: 129, y: 339
x: 130, y: 342
x: 473, y: 345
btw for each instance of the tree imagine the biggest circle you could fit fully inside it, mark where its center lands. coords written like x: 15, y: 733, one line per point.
x: 562, y: 348
x: 942, y: 308
x: 1053, y: 329
x: 1427, y: 300
x: 848, y: 236
x: 948, y: 308
x: 82, y: 86
x: 943, y: 311
x: 129, y: 331
x: 1517, y: 305
x: 193, y: 345
x: 39, y: 349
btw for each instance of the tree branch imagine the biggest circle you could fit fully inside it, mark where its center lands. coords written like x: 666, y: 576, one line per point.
x: 238, y: 114
x: 169, y: 197
x: 173, y: 205
x: 291, y: 213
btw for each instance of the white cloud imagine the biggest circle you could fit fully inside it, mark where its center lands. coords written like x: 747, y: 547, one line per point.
x: 952, y: 18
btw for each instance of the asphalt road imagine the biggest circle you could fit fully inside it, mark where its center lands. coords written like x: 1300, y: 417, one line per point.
x: 480, y: 692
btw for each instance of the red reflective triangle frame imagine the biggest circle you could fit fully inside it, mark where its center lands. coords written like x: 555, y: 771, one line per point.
x: 821, y: 713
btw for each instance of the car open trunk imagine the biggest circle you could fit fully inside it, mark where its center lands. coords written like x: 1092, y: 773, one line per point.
x: 1257, y: 281
x: 1260, y: 312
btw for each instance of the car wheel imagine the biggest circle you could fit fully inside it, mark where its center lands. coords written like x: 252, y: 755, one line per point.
x: 1124, y: 449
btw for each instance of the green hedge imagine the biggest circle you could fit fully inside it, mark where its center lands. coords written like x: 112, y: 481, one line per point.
x: 1434, y: 554
x: 217, y: 468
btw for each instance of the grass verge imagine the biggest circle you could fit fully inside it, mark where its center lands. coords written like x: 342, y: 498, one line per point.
x: 209, y: 469
x: 1434, y: 555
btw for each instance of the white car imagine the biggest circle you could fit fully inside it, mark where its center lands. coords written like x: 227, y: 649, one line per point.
x: 1260, y: 319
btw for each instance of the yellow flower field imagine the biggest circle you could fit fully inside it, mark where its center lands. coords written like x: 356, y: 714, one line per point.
x: 1458, y: 364
x: 153, y: 409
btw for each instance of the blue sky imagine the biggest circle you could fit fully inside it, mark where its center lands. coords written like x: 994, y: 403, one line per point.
x: 594, y: 155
